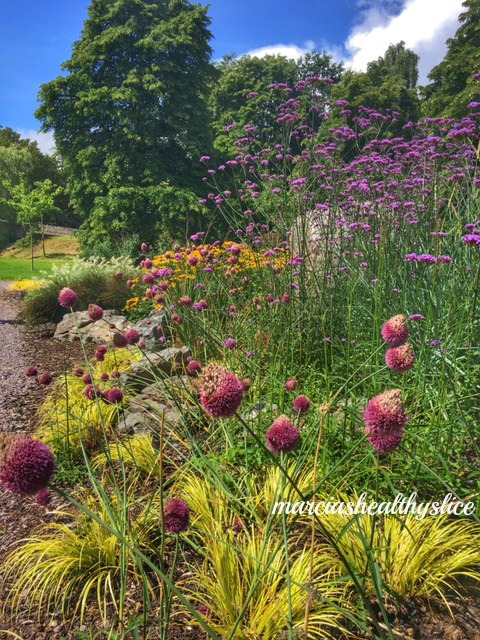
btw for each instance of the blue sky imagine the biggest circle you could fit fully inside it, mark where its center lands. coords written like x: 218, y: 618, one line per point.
x: 36, y: 37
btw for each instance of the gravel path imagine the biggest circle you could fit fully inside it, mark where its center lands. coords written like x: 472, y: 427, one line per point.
x: 13, y: 383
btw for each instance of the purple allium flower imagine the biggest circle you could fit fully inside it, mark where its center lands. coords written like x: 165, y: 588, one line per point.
x: 204, y: 610
x: 144, y: 247
x: 67, y: 298
x: 385, y: 418
x: 301, y: 404
x: 114, y: 395
x: 104, y: 377
x: 194, y: 368
x: 45, y: 378
x: 132, y: 336
x: 291, y: 384
x: 87, y: 379
x: 95, y: 312
x: 43, y: 497
x: 176, y: 319
x: 100, y: 355
x: 283, y: 436
x: 176, y: 515
x: 31, y: 372
x: 230, y: 343
x: 148, y: 278
x: 221, y: 393
x: 92, y: 392
x: 120, y: 340
x: 27, y: 467
x: 185, y: 301
x: 417, y: 316
x: 395, y: 330
x: 400, y: 359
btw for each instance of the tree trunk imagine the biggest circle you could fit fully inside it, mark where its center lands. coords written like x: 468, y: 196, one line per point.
x: 43, y: 238
x: 31, y: 246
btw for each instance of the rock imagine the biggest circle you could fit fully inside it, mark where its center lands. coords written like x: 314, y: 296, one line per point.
x: 171, y: 400
x: 154, y: 366
x: 78, y: 324
x: 152, y: 328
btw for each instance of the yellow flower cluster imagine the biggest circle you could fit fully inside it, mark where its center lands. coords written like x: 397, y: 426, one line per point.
x: 131, y: 304
x: 229, y: 257
x: 26, y: 285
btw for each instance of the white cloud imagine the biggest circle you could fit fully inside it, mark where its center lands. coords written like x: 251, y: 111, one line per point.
x: 424, y: 26
x: 287, y: 50
x: 44, y: 140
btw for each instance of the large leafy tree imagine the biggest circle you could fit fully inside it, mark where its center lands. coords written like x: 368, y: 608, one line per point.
x: 130, y: 112
x: 240, y: 94
x: 397, y: 61
x: 453, y: 86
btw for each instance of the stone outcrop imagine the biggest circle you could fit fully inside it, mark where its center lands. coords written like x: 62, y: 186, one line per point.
x: 78, y: 324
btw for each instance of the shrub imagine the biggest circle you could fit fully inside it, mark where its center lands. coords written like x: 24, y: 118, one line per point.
x: 94, y: 281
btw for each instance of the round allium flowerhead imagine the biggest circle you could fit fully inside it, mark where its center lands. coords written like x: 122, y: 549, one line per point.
x: 291, y: 384
x: 114, y: 395
x: 78, y: 371
x: 400, y: 359
x: 45, y: 378
x: 92, y: 392
x: 119, y: 340
x: 194, y: 368
x: 395, y: 330
x: 301, y: 404
x: 43, y: 498
x: 104, y: 377
x: 283, y: 436
x: 176, y: 515
x: 95, y: 312
x: 132, y: 336
x: 31, y: 372
x: 221, y: 393
x: 144, y: 247
x: 385, y: 418
x: 27, y: 467
x: 87, y: 379
x: 67, y: 298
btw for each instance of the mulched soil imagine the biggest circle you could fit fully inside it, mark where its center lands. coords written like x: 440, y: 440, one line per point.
x: 19, y: 398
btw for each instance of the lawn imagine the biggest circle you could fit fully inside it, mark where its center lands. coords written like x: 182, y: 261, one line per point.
x: 19, y: 268
x: 15, y: 262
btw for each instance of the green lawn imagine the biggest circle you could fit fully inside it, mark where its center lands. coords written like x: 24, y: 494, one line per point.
x: 19, y: 268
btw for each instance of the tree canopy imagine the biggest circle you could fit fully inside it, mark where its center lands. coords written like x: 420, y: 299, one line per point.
x: 131, y: 110
x: 453, y: 86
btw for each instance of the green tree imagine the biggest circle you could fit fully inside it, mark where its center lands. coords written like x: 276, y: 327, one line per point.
x: 240, y: 94
x: 21, y: 158
x: 397, y: 61
x: 131, y: 110
x: 33, y: 206
x: 453, y: 86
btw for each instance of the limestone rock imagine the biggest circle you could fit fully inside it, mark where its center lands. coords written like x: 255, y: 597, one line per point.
x: 154, y: 366
x: 171, y: 400
x: 78, y: 324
